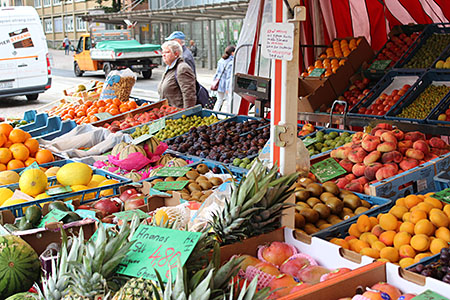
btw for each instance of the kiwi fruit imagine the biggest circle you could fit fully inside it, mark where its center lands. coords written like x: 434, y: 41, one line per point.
x: 333, y: 219
x: 192, y: 174
x: 202, y: 169
x: 203, y: 197
x: 352, y: 201
x: 345, y: 212
x: 215, y: 181
x: 169, y: 178
x: 195, y: 199
x: 207, y: 193
x: 310, y: 228
x: 192, y: 187
x: 313, y: 201
x: 302, y: 195
x: 196, y: 194
x: 311, y: 216
x: 301, y: 205
x: 156, y: 180
x: 323, y: 210
x: 185, y: 196
x: 326, y: 195
x: 185, y: 191
x: 331, y: 187
x: 325, y: 226
x: 201, y: 178
x: 299, y: 220
x: 360, y: 210
x: 365, y: 203
x: 305, y: 181
x: 335, y: 204
x: 205, y: 185
x: 344, y: 192
x: 315, y: 189
x: 181, y: 178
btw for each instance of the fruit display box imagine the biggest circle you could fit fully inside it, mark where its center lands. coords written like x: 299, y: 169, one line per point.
x: 336, y: 135
x: 443, y: 110
x: 340, y: 80
x: 393, y: 80
x: 314, y: 93
x: 84, y: 196
x: 422, y: 90
x: 34, y: 120
x: 362, y: 53
x: 427, y: 47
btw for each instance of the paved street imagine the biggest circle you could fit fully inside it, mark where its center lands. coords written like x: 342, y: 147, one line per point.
x: 63, y: 77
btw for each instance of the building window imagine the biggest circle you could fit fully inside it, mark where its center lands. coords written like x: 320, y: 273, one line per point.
x: 19, y: 3
x: 47, y: 3
x: 37, y: 3
x: 56, y: 2
x: 58, y: 27
x: 81, y: 25
x: 68, y: 24
x: 48, y: 25
x: 80, y: 0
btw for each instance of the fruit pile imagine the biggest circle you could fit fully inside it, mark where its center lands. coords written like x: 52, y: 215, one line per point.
x: 383, y: 153
x: 341, y: 48
x: 83, y: 111
x: 91, y: 90
x: 141, y: 118
x: 175, y: 127
x: 429, y: 51
x: 439, y: 269
x: 425, y: 102
x: 199, y: 187
x: 443, y: 64
x: 379, y: 291
x: 395, y: 47
x: 18, y: 149
x: 284, y: 270
x: 384, y: 102
x: 321, y: 206
x: 445, y: 116
x: 223, y: 141
x: 244, y: 163
x: 414, y: 228
x: 330, y: 65
x: 327, y: 141
x: 355, y: 93
x: 306, y: 129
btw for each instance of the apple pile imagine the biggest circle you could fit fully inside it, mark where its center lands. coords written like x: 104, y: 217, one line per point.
x: 381, y: 291
x: 306, y: 129
x: 353, y: 95
x: 384, y: 102
x: 383, y: 153
x: 285, y: 271
x: 141, y: 118
x: 395, y: 47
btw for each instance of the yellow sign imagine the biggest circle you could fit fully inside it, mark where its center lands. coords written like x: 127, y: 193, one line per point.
x: 144, y: 28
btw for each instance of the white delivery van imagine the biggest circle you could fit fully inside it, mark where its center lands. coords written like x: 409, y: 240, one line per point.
x: 24, y: 63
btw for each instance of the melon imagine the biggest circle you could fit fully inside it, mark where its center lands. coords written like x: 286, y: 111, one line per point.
x: 9, y: 177
x: 164, y: 159
x: 176, y: 162
x: 24, y: 296
x: 33, y: 182
x: 107, y: 182
x: 5, y: 194
x: 19, y: 266
x: 75, y: 173
x: 131, y: 149
x: 118, y: 148
x: 151, y: 144
x: 51, y: 172
x: 135, y: 177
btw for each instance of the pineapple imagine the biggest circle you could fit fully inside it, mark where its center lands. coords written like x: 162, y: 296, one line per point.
x: 136, y: 289
x: 255, y: 206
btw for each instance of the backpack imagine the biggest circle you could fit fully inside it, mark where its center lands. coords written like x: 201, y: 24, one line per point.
x: 203, y: 97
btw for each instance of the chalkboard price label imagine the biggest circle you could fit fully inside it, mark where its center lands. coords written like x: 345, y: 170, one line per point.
x: 103, y: 115
x: 173, y: 171
x: 55, y: 215
x: 327, y: 169
x: 317, y: 72
x: 170, y: 185
x: 309, y: 141
x: 380, y: 65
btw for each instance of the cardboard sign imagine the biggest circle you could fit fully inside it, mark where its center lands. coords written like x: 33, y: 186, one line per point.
x: 173, y: 171
x: 59, y: 190
x: 443, y: 195
x: 34, y: 165
x: 317, y: 72
x: 309, y: 141
x: 380, y: 65
x: 157, y: 248
x: 327, y: 169
x: 170, y: 185
x: 103, y: 115
x: 277, y: 40
x: 55, y: 215
x: 429, y: 295
x: 128, y: 215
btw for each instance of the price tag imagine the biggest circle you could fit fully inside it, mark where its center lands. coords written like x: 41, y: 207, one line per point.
x: 157, y: 248
x: 59, y: 190
x: 103, y: 115
x: 87, y: 214
x: 128, y: 215
x: 157, y: 126
x: 173, y: 171
x: 309, y: 141
x: 327, y: 169
x: 317, y: 72
x: 55, y: 215
x: 443, y: 195
x: 170, y: 185
x: 34, y: 165
x: 142, y: 139
x: 380, y: 65
x: 429, y: 295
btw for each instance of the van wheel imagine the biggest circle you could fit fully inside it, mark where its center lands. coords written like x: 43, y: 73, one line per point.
x: 147, y: 74
x: 77, y: 70
x: 107, y: 69
x: 32, y: 97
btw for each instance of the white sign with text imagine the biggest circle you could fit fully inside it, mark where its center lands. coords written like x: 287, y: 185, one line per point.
x: 278, y: 41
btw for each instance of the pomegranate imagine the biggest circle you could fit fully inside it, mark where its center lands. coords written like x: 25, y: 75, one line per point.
x: 282, y: 285
x: 293, y: 266
x: 108, y: 206
x: 277, y: 253
x: 134, y: 202
x: 127, y: 194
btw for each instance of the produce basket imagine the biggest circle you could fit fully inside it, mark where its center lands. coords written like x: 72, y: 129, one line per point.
x: 393, y: 80
x: 442, y: 107
x: 34, y: 120
x: 437, y: 78
x: 85, y: 196
x: 46, y: 127
x: 441, y: 29
x: 326, y: 131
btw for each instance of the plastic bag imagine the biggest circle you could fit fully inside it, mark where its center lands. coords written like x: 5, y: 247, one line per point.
x: 118, y: 85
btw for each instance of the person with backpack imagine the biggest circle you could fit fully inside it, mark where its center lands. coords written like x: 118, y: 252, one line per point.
x: 66, y: 45
x: 178, y: 83
x: 223, y: 77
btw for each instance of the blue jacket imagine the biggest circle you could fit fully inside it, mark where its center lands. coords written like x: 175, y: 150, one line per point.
x: 225, y: 66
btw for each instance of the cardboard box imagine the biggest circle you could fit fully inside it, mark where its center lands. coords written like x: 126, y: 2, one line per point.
x: 341, y: 79
x: 314, y: 93
x: 362, y: 53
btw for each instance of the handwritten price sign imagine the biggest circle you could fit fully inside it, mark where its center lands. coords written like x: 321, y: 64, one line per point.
x: 327, y: 169
x: 157, y: 248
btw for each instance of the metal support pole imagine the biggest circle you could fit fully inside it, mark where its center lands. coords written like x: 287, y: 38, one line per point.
x: 210, y: 64
x: 203, y: 44
x: 227, y: 34
x: 215, y: 50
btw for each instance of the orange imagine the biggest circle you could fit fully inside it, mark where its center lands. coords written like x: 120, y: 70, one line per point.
x: 17, y: 136
x: 420, y: 242
x: 3, y: 139
x: 436, y: 245
x: 401, y: 238
x: 390, y: 253
x: 29, y: 161
x: 32, y: 145
x: 388, y: 221
x: 19, y: 151
x: 412, y: 200
x: 44, y: 156
x: 15, y: 164
x: 2, y: 167
x: 5, y: 155
x: 5, y: 128
x: 443, y: 233
x: 417, y: 215
x: 424, y: 227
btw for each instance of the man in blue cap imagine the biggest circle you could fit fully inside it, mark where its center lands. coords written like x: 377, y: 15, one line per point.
x: 187, y: 54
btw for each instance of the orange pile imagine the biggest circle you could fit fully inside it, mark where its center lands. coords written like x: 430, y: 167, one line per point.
x: 417, y: 226
x: 84, y: 111
x: 19, y: 150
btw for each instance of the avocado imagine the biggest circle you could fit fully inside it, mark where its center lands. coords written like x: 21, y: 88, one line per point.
x: 71, y: 217
x: 33, y: 214
x: 24, y: 224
